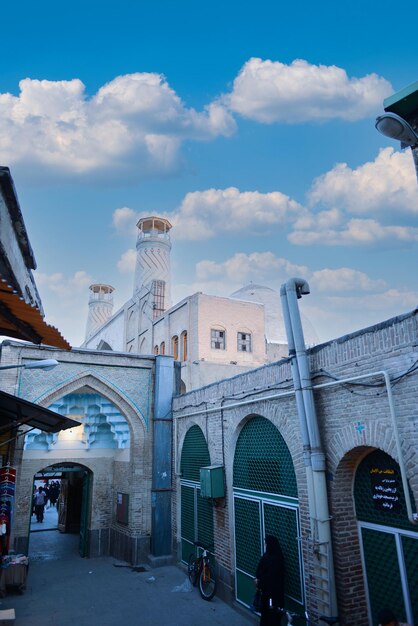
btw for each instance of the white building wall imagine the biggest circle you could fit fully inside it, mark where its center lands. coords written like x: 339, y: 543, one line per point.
x: 233, y: 316
x: 113, y: 333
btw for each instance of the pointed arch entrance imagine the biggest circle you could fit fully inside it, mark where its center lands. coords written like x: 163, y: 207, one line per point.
x: 73, y: 504
x: 389, y: 541
x: 265, y: 502
x: 196, y: 512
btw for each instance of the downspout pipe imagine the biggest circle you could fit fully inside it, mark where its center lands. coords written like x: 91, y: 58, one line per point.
x: 300, y: 408
x: 294, y: 289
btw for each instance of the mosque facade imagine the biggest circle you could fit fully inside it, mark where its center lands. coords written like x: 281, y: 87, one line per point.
x: 212, y: 337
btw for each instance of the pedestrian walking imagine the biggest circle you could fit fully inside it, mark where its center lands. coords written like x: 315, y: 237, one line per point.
x: 40, y: 500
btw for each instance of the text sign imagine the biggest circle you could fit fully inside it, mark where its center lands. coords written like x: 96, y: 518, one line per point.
x: 385, y: 489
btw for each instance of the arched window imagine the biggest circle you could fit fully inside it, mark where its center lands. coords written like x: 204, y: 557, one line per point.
x: 156, y: 350
x: 184, y: 345
x: 175, y: 347
x: 162, y: 347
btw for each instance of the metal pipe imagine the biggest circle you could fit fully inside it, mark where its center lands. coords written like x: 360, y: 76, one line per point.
x: 300, y: 409
x: 320, y: 517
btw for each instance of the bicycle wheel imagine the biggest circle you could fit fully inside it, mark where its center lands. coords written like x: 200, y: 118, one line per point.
x: 207, y: 582
x: 192, y: 569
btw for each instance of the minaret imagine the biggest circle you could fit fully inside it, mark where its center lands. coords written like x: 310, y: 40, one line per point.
x: 152, y: 271
x: 100, y: 307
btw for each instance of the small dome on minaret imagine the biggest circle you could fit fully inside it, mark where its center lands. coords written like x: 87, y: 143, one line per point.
x: 100, y: 307
x: 152, y: 270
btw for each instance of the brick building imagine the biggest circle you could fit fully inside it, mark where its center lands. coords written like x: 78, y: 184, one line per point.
x: 249, y: 426
x: 108, y: 465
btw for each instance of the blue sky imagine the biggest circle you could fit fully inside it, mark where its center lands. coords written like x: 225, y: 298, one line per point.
x: 249, y: 125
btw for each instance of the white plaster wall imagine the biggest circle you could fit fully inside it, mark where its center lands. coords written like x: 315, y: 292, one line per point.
x: 112, y: 332
x: 174, y: 322
x: 233, y: 316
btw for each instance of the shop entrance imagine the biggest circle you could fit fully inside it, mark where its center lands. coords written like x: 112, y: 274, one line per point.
x: 68, y: 491
x: 389, y: 541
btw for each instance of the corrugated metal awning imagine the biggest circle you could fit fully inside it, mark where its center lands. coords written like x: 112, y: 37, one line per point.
x: 23, y: 321
x: 15, y: 412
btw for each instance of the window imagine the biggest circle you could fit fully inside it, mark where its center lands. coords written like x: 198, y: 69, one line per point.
x: 217, y: 339
x: 184, y: 346
x: 175, y: 347
x: 244, y: 342
x: 156, y: 350
x: 162, y: 347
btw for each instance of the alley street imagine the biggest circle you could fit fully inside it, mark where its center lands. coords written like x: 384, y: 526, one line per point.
x: 66, y: 590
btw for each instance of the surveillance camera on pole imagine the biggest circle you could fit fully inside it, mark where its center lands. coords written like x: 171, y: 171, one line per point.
x: 400, y: 120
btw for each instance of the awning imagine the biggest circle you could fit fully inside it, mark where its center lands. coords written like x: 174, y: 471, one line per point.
x: 23, y: 321
x: 16, y: 412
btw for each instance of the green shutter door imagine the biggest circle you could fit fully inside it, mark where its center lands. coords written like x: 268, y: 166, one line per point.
x: 248, y: 545
x: 196, y: 512
x: 382, y: 571
x: 265, y: 502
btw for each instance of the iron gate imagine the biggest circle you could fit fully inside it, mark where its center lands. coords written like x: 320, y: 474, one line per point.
x: 265, y: 502
x: 196, y: 512
x: 388, y: 540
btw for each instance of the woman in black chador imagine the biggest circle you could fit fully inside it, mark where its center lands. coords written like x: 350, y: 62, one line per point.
x: 270, y: 580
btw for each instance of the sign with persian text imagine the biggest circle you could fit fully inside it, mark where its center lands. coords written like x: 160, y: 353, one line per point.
x: 385, y: 488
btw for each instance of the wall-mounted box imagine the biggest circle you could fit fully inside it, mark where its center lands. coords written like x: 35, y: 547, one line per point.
x: 212, y: 481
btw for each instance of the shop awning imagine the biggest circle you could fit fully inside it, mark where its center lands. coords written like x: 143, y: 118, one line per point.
x: 23, y: 321
x: 15, y: 412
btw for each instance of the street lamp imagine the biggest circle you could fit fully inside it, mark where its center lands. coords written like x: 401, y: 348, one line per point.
x: 45, y: 364
x: 400, y: 120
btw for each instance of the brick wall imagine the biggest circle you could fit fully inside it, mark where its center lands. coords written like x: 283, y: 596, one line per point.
x: 353, y: 421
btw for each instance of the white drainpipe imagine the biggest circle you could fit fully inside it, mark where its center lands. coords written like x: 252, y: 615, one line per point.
x: 320, y: 517
x: 301, y: 410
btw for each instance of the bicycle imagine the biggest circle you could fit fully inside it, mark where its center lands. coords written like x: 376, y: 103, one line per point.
x: 290, y: 616
x: 201, y: 571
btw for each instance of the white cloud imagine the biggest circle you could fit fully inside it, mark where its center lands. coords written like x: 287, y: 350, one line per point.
x: 385, y: 186
x: 387, y: 182
x: 126, y: 264
x: 344, y: 279
x: 354, y: 232
x: 257, y: 267
x: 202, y: 214
x: 62, y: 286
x: 125, y: 220
x: 135, y: 122
x: 270, y: 91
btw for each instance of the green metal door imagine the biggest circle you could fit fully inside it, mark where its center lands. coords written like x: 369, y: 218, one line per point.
x: 265, y: 502
x: 196, y: 512
x: 389, y: 541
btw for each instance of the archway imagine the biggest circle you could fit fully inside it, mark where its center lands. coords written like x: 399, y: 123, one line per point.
x: 265, y: 502
x: 196, y: 512
x: 68, y: 502
x: 385, y: 531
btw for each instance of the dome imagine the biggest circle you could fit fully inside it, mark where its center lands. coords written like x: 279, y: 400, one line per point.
x: 275, y: 328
